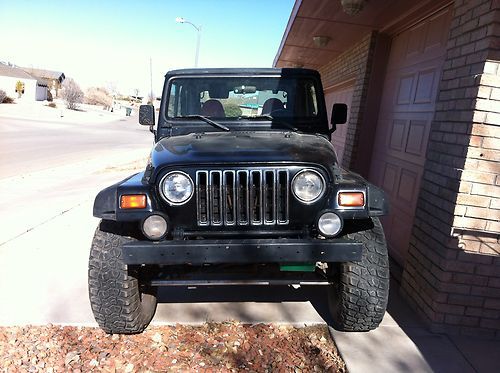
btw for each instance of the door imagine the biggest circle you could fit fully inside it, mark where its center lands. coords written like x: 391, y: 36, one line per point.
x: 406, y: 112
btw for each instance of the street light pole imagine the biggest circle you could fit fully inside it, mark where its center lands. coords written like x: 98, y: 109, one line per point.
x: 198, y: 29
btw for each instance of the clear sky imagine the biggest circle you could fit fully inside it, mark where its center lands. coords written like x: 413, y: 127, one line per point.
x: 102, y: 42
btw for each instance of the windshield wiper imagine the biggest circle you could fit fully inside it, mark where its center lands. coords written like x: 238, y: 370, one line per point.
x: 206, y: 120
x: 270, y: 117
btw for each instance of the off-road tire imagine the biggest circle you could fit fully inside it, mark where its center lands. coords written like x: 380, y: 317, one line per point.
x: 360, y: 290
x: 119, y: 303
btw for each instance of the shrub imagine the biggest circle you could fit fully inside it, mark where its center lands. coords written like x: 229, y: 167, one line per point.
x: 52, y: 105
x: 98, y: 96
x: 8, y: 100
x: 72, y: 94
x: 2, y: 95
x: 232, y: 110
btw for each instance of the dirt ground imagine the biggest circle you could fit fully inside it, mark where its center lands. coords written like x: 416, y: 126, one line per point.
x: 212, y: 347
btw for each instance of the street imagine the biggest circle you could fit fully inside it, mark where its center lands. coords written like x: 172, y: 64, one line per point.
x: 29, y: 145
x: 49, y: 175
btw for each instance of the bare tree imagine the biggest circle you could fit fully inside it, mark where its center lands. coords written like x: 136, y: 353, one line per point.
x: 98, y: 96
x: 72, y: 94
x: 2, y: 96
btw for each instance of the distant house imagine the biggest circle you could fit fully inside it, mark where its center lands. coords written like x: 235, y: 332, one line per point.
x: 53, y: 79
x: 17, y: 83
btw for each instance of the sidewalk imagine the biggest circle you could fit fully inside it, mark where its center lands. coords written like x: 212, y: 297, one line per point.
x: 402, y: 343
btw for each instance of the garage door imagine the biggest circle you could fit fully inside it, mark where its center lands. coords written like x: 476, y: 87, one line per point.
x: 407, y: 108
x: 339, y: 95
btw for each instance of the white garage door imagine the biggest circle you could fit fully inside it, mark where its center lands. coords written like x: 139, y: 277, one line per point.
x: 407, y: 109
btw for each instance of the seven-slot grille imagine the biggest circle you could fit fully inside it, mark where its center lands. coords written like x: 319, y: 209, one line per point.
x: 242, y: 197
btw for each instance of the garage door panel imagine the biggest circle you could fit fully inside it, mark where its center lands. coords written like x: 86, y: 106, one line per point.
x: 398, y: 135
x: 389, y: 176
x: 406, y: 187
x: 404, y: 138
x: 436, y: 35
x: 424, y: 91
x: 405, y: 90
x: 416, y: 140
x: 400, y: 180
x: 341, y: 95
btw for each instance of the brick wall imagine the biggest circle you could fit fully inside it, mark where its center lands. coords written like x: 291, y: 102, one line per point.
x: 452, y: 274
x: 354, y: 63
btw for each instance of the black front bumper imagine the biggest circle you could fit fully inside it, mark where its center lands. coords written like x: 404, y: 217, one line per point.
x: 241, y: 251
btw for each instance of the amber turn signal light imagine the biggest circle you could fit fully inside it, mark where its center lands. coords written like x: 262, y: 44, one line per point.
x: 133, y: 201
x: 351, y: 199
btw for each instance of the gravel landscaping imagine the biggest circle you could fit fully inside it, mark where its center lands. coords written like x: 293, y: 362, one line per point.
x: 212, y: 347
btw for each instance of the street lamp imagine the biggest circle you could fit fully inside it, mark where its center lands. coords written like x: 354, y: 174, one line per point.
x: 198, y: 29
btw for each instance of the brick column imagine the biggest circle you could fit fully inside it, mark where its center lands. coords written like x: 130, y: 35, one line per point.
x: 452, y: 274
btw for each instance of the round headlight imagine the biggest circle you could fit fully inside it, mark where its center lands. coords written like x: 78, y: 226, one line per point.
x: 177, y: 187
x: 308, y: 186
x: 154, y: 227
x: 329, y: 224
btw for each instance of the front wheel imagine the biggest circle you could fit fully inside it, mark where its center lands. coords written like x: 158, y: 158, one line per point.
x: 360, y: 290
x: 120, y: 303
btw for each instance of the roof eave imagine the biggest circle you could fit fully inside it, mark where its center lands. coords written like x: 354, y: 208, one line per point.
x: 291, y: 20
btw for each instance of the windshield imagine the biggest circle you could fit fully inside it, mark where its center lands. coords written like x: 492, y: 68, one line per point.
x: 242, y: 97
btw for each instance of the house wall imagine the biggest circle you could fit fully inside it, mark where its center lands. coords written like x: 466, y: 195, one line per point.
x: 452, y: 272
x: 452, y: 275
x: 354, y: 64
x: 8, y: 84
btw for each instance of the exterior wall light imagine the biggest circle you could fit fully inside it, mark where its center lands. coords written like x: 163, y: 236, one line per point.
x: 353, y: 7
x: 321, y: 41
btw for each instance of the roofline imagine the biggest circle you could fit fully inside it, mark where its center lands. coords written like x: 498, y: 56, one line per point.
x: 291, y: 20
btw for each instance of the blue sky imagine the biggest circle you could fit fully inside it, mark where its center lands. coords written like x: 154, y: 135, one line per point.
x: 101, y: 42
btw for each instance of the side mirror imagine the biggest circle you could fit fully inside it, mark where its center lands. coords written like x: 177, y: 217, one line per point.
x: 339, y: 116
x: 147, y: 115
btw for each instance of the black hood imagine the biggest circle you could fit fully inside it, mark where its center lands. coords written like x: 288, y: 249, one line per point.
x: 243, y: 147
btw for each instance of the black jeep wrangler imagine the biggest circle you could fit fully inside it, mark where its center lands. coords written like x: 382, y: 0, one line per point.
x: 242, y: 187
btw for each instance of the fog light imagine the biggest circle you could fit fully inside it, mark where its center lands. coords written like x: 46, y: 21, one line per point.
x: 329, y: 224
x: 154, y: 227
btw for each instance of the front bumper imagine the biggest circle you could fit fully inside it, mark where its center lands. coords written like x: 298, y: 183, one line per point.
x: 241, y: 251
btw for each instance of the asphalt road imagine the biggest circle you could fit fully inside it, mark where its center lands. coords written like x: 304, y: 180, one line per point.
x: 29, y: 145
x: 49, y: 176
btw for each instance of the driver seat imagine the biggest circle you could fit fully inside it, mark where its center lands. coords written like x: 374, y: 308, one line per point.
x: 212, y: 108
x: 271, y: 105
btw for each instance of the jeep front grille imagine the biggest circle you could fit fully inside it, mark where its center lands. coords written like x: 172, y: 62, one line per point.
x: 242, y: 197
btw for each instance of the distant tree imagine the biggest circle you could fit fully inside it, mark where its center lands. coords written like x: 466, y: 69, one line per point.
x: 98, y: 96
x: 72, y: 94
x: 19, y: 88
x: 232, y: 110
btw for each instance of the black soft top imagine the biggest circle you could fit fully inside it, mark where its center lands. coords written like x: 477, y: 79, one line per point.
x: 244, y: 71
